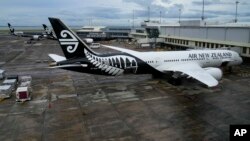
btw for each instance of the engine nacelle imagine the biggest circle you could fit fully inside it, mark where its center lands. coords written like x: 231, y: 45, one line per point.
x: 35, y: 37
x: 215, y: 72
x: 88, y: 40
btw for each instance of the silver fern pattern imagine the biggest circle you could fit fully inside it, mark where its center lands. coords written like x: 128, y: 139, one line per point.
x: 112, y: 65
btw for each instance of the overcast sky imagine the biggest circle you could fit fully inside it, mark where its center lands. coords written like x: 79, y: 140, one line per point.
x: 117, y: 12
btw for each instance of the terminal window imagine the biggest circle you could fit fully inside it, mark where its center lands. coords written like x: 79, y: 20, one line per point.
x: 208, y: 45
x: 244, y: 50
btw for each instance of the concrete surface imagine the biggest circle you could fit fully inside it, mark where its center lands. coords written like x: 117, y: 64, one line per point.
x: 76, y: 106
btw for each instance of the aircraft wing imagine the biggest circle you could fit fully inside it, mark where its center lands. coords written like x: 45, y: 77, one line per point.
x: 132, y: 52
x: 192, y: 69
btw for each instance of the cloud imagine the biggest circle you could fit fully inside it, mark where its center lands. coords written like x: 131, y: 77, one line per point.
x: 208, y: 2
x: 79, y: 12
x: 166, y: 7
x: 218, y: 2
x: 104, y: 12
x: 143, y: 3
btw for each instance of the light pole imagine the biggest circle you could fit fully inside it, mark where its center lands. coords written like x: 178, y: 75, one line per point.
x: 179, y: 15
x: 160, y: 16
x: 202, y: 17
x: 133, y: 19
x: 148, y: 13
x: 236, y: 11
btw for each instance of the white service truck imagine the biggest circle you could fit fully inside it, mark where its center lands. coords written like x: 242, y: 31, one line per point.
x: 23, y: 92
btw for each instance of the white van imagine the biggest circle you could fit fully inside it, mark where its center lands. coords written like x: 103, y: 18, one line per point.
x: 95, y: 45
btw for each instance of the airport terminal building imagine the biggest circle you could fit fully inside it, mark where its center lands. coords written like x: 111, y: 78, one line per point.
x: 194, y: 34
x: 197, y: 34
x: 104, y: 32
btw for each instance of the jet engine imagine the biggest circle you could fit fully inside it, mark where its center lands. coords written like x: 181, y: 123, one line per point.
x: 35, y: 37
x: 215, y: 72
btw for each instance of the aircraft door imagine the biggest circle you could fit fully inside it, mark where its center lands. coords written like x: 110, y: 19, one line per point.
x: 157, y: 61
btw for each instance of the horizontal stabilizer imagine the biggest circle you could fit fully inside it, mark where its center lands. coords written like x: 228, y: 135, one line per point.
x: 57, y: 58
x: 67, y: 66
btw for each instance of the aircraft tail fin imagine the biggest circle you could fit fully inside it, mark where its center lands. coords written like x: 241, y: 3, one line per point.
x: 71, y: 44
x: 12, y: 30
x: 45, y: 27
x: 49, y: 32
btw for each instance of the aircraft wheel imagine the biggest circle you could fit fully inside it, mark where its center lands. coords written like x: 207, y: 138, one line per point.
x: 175, y: 81
x: 157, y: 75
x: 230, y: 69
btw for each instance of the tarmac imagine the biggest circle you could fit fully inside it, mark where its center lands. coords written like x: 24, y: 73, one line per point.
x: 75, y: 106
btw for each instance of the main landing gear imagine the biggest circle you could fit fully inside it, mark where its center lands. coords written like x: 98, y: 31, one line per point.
x: 171, y: 77
x: 175, y: 81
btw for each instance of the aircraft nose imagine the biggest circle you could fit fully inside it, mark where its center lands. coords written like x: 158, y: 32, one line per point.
x: 240, y: 60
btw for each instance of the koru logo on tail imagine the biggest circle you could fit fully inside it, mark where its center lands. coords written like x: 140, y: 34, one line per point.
x: 71, y: 42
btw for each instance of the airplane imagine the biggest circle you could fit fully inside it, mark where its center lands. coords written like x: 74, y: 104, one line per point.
x: 13, y: 32
x: 48, y: 33
x: 201, y: 65
x: 33, y: 36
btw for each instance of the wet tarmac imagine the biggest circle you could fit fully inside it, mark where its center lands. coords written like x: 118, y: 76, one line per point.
x: 76, y: 106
